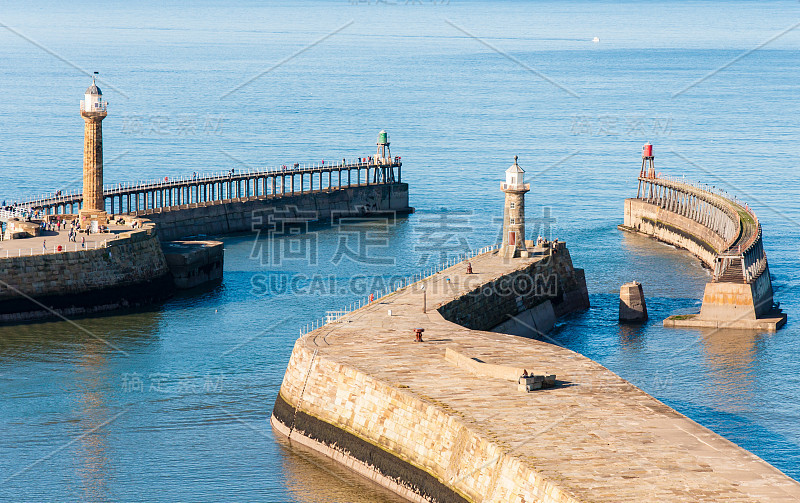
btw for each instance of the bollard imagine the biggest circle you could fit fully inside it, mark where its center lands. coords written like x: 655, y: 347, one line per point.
x: 418, y: 334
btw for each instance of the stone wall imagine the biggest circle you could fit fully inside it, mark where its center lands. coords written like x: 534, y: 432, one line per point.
x: 194, y: 263
x: 432, y: 423
x: 674, y: 229
x: 130, y: 271
x: 737, y: 301
x: 725, y: 302
x: 422, y: 438
x: 247, y: 214
x: 409, y: 442
x: 490, y: 305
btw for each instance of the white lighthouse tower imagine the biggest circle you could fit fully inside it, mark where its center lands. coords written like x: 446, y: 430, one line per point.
x: 514, y: 212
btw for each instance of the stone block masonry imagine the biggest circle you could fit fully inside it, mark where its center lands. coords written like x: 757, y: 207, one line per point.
x: 194, y: 263
x: 632, y: 306
x: 674, y: 229
x: 552, y: 278
x: 729, y: 301
x: 131, y: 271
x: 361, y: 391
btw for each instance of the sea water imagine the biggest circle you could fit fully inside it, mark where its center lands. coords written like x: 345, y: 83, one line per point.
x: 172, y: 403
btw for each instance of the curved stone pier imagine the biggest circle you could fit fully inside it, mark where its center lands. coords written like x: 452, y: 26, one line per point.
x: 431, y: 426
x: 725, y: 236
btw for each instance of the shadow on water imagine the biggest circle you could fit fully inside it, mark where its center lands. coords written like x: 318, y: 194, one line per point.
x: 311, y: 477
x: 115, y: 333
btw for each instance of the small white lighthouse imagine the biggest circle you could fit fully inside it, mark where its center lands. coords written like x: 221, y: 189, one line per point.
x: 514, y: 212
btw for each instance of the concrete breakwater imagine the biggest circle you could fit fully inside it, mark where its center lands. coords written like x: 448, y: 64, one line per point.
x: 401, y: 413
x: 130, y: 270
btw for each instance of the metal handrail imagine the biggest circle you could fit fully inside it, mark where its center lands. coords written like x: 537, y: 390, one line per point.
x: 334, y: 316
x: 184, y: 181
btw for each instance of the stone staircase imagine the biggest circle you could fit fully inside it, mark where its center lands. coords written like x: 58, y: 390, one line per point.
x: 733, y: 273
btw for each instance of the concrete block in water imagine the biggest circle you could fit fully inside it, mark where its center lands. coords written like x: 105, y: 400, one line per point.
x: 194, y: 263
x: 632, y: 306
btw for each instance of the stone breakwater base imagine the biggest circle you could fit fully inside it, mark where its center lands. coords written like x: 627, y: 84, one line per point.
x: 398, y: 412
x: 134, y: 271
x: 249, y: 214
x: 194, y: 263
x: 130, y: 272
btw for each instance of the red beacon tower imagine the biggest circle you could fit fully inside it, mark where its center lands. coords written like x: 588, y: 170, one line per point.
x: 647, y: 156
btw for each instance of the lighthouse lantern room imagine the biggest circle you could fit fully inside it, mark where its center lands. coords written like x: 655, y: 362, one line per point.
x: 93, y: 99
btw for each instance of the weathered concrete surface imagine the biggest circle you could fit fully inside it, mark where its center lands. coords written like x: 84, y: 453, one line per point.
x: 743, y: 306
x: 194, y: 263
x: 594, y: 437
x: 531, y: 322
x: 481, y: 368
x: 272, y: 212
x: 632, y: 306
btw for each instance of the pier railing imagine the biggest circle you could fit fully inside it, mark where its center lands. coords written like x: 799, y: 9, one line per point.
x: 396, y: 286
x: 18, y: 213
x: 743, y: 258
x: 63, y: 248
x: 224, y: 185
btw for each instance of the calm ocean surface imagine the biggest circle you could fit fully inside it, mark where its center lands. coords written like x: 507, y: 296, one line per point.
x: 180, y: 411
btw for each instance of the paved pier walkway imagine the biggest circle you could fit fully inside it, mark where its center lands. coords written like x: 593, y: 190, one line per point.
x: 594, y: 436
x: 33, y: 246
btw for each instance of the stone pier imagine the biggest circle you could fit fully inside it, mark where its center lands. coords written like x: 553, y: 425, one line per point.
x: 49, y: 275
x: 725, y: 236
x: 434, y: 427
